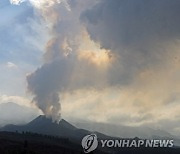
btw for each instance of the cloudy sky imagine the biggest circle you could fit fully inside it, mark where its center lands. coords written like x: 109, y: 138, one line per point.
x: 110, y: 61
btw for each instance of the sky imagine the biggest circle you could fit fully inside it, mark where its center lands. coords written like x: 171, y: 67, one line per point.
x: 99, y: 60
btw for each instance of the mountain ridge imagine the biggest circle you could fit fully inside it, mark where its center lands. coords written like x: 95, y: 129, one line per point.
x: 44, y: 125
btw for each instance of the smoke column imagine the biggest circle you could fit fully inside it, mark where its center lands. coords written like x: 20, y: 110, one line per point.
x: 66, y: 66
x: 46, y: 82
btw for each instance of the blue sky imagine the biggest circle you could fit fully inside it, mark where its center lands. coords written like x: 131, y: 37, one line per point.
x: 20, y: 44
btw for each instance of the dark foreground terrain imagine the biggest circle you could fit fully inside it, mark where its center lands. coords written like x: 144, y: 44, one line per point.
x: 32, y: 143
x: 42, y: 136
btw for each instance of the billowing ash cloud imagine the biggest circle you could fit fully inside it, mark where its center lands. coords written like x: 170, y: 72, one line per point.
x: 46, y: 82
x: 112, y: 44
x: 139, y: 32
x: 133, y: 24
x: 65, y: 67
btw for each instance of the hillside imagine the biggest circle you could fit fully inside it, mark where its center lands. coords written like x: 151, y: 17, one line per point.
x: 42, y: 136
x: 44, y: 125
x: 33, y: 143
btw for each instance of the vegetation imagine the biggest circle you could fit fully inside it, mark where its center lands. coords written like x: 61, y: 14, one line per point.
x: 33, y: 143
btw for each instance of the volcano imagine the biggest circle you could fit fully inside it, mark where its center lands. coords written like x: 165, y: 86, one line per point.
x: 44, y: 125
x: 62, y: 137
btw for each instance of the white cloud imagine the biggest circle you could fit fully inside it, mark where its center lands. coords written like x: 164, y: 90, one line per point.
x: 11, y: 65
x: 16, y: 2
x: 15, y: 99
x: 41, y: 4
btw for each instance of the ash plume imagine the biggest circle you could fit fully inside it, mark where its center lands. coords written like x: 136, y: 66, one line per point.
x: 64, y: 69
x: 48, y: 80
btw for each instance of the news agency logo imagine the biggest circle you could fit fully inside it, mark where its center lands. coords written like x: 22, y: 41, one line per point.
x: 89, y: 143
